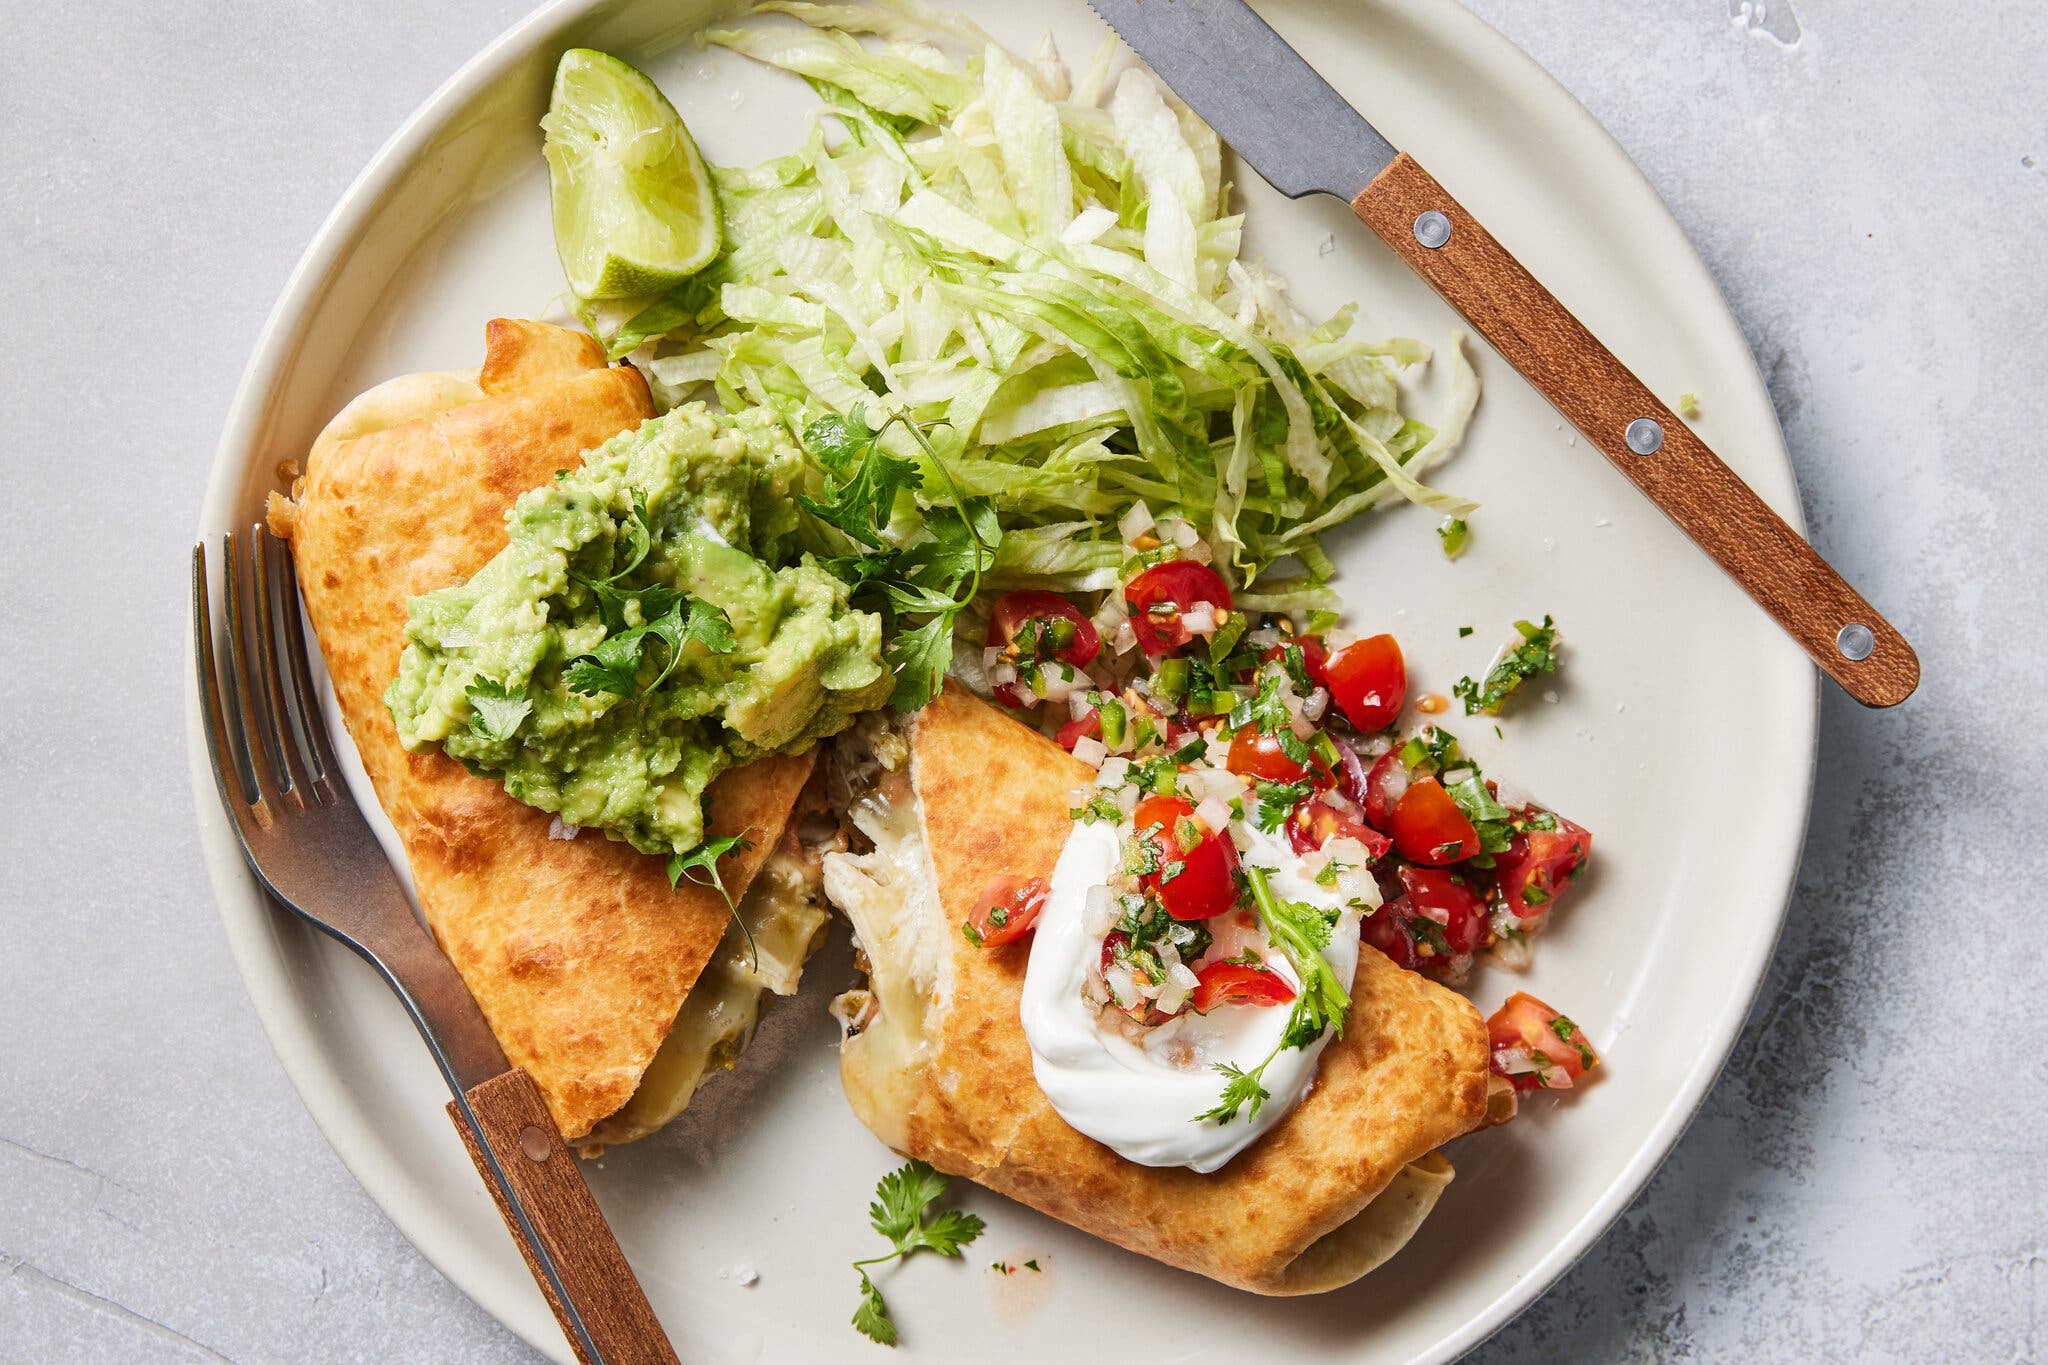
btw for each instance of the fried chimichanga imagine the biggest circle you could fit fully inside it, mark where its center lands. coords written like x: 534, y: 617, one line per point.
x: 937, y: 1065
x: 598, y: 979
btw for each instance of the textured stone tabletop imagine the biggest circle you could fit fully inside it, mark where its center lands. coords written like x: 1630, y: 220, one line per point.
x: 1868, y: 1181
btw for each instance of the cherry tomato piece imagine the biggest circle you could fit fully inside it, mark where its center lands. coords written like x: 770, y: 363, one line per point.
x: 1060, y: 624
x: 1255, y: 754
x: 1556, y: 1044
x: 1369, y: 681
x: 1197, y: 876
x: 1225, y: 983
x: 1161, y: 593
x: 1385, y: 785
x: 1082, y: 727
x: 1006, y: 910
x: 1315, y: 822
x: 1536, y: 866
x: 1462, y: 906
x: 1429, y: 828
x: 1315, y: 657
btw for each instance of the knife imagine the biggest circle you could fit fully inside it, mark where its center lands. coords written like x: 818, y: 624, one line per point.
x: 1269, y: 104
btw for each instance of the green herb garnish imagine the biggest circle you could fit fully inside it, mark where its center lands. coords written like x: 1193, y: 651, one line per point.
x: 700, y: 865
x: 1537, y: 653
x: 901, y: 1213
x: 1301, y: 931
x: 934, y: 577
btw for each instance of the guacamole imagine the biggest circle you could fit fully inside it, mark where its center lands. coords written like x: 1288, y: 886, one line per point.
x: 648, y: 626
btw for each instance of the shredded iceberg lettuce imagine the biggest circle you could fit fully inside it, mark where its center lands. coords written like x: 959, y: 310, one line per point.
x: 1042, y: 271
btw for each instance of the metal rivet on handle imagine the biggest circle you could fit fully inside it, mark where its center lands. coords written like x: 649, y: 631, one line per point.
x: 1855, y: 641
x: 1432, y: 229
x: 1644, y: 436
x: 534, y: 1143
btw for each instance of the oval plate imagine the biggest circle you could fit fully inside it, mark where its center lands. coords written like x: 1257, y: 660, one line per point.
x: 1681, y: 730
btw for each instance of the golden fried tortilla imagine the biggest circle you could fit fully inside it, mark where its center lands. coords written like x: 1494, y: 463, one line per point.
x: 577, y: 950
x: 940, y: 1068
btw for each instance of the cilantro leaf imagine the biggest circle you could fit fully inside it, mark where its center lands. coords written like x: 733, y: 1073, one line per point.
x: 614, y: 665
x: 871, y: 1319
x: 496, y: 710
x: 862, y: 502
x: 837, y: 441
x: 919, y: 657
x: 902, y: 1199
x: 1537, y: 653
x: 951, y: 1230
x: 1277, y: 800
x: 1488, y: 816
x: 1240, y: 1088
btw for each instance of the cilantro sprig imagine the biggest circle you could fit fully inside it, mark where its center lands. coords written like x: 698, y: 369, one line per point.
x: 902, y: 1213
x: 1301, y: 931
x: 700, y: 865
x: 1536, y: 653
x: 933, y: 577
x: 614, y: 666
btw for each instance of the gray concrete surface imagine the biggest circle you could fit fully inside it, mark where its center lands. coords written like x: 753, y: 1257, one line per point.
x: 1868, y: 1180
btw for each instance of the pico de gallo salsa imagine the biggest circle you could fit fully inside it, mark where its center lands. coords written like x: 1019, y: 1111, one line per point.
x: 1219, y: 734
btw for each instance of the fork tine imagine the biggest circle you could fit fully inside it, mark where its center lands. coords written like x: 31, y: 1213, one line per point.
x: 221, y: 735
x: 283, y: 725
x: 303, y: 699
x: 256, y: 717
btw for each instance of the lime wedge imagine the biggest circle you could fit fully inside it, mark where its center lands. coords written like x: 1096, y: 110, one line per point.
x: 634, y: 209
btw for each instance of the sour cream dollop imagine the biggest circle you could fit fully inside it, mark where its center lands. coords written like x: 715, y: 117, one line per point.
x: 1142, y: 1099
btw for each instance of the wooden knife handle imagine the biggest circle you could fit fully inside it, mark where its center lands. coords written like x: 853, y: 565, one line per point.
x: 1602, y: 398
x: 614, y: 1313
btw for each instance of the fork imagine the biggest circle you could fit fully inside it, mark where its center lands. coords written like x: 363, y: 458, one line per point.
x: 313, y: 852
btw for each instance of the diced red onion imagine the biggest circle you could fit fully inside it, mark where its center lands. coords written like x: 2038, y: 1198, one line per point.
x: 559, y: 828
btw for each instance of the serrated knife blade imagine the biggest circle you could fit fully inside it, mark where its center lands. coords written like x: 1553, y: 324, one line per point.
x: 1276, y: 112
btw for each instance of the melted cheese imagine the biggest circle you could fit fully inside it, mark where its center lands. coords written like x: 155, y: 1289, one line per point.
x: 889, y: 895
x: 786, y: 918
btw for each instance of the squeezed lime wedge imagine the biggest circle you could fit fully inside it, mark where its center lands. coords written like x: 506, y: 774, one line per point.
x: 633, y: 205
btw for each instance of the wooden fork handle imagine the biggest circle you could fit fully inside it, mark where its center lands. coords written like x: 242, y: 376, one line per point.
x: 607, y: 1300
x: 1602, y: 398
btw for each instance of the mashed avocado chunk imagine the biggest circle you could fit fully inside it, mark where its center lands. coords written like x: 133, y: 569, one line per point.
x: 648, y: 626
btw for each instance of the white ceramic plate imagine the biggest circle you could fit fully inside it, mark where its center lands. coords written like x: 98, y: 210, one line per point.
x: 1682, y: 732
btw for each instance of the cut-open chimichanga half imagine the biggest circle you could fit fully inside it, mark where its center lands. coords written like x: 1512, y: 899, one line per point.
x: 618, y: 994
x: 936, y: 1062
